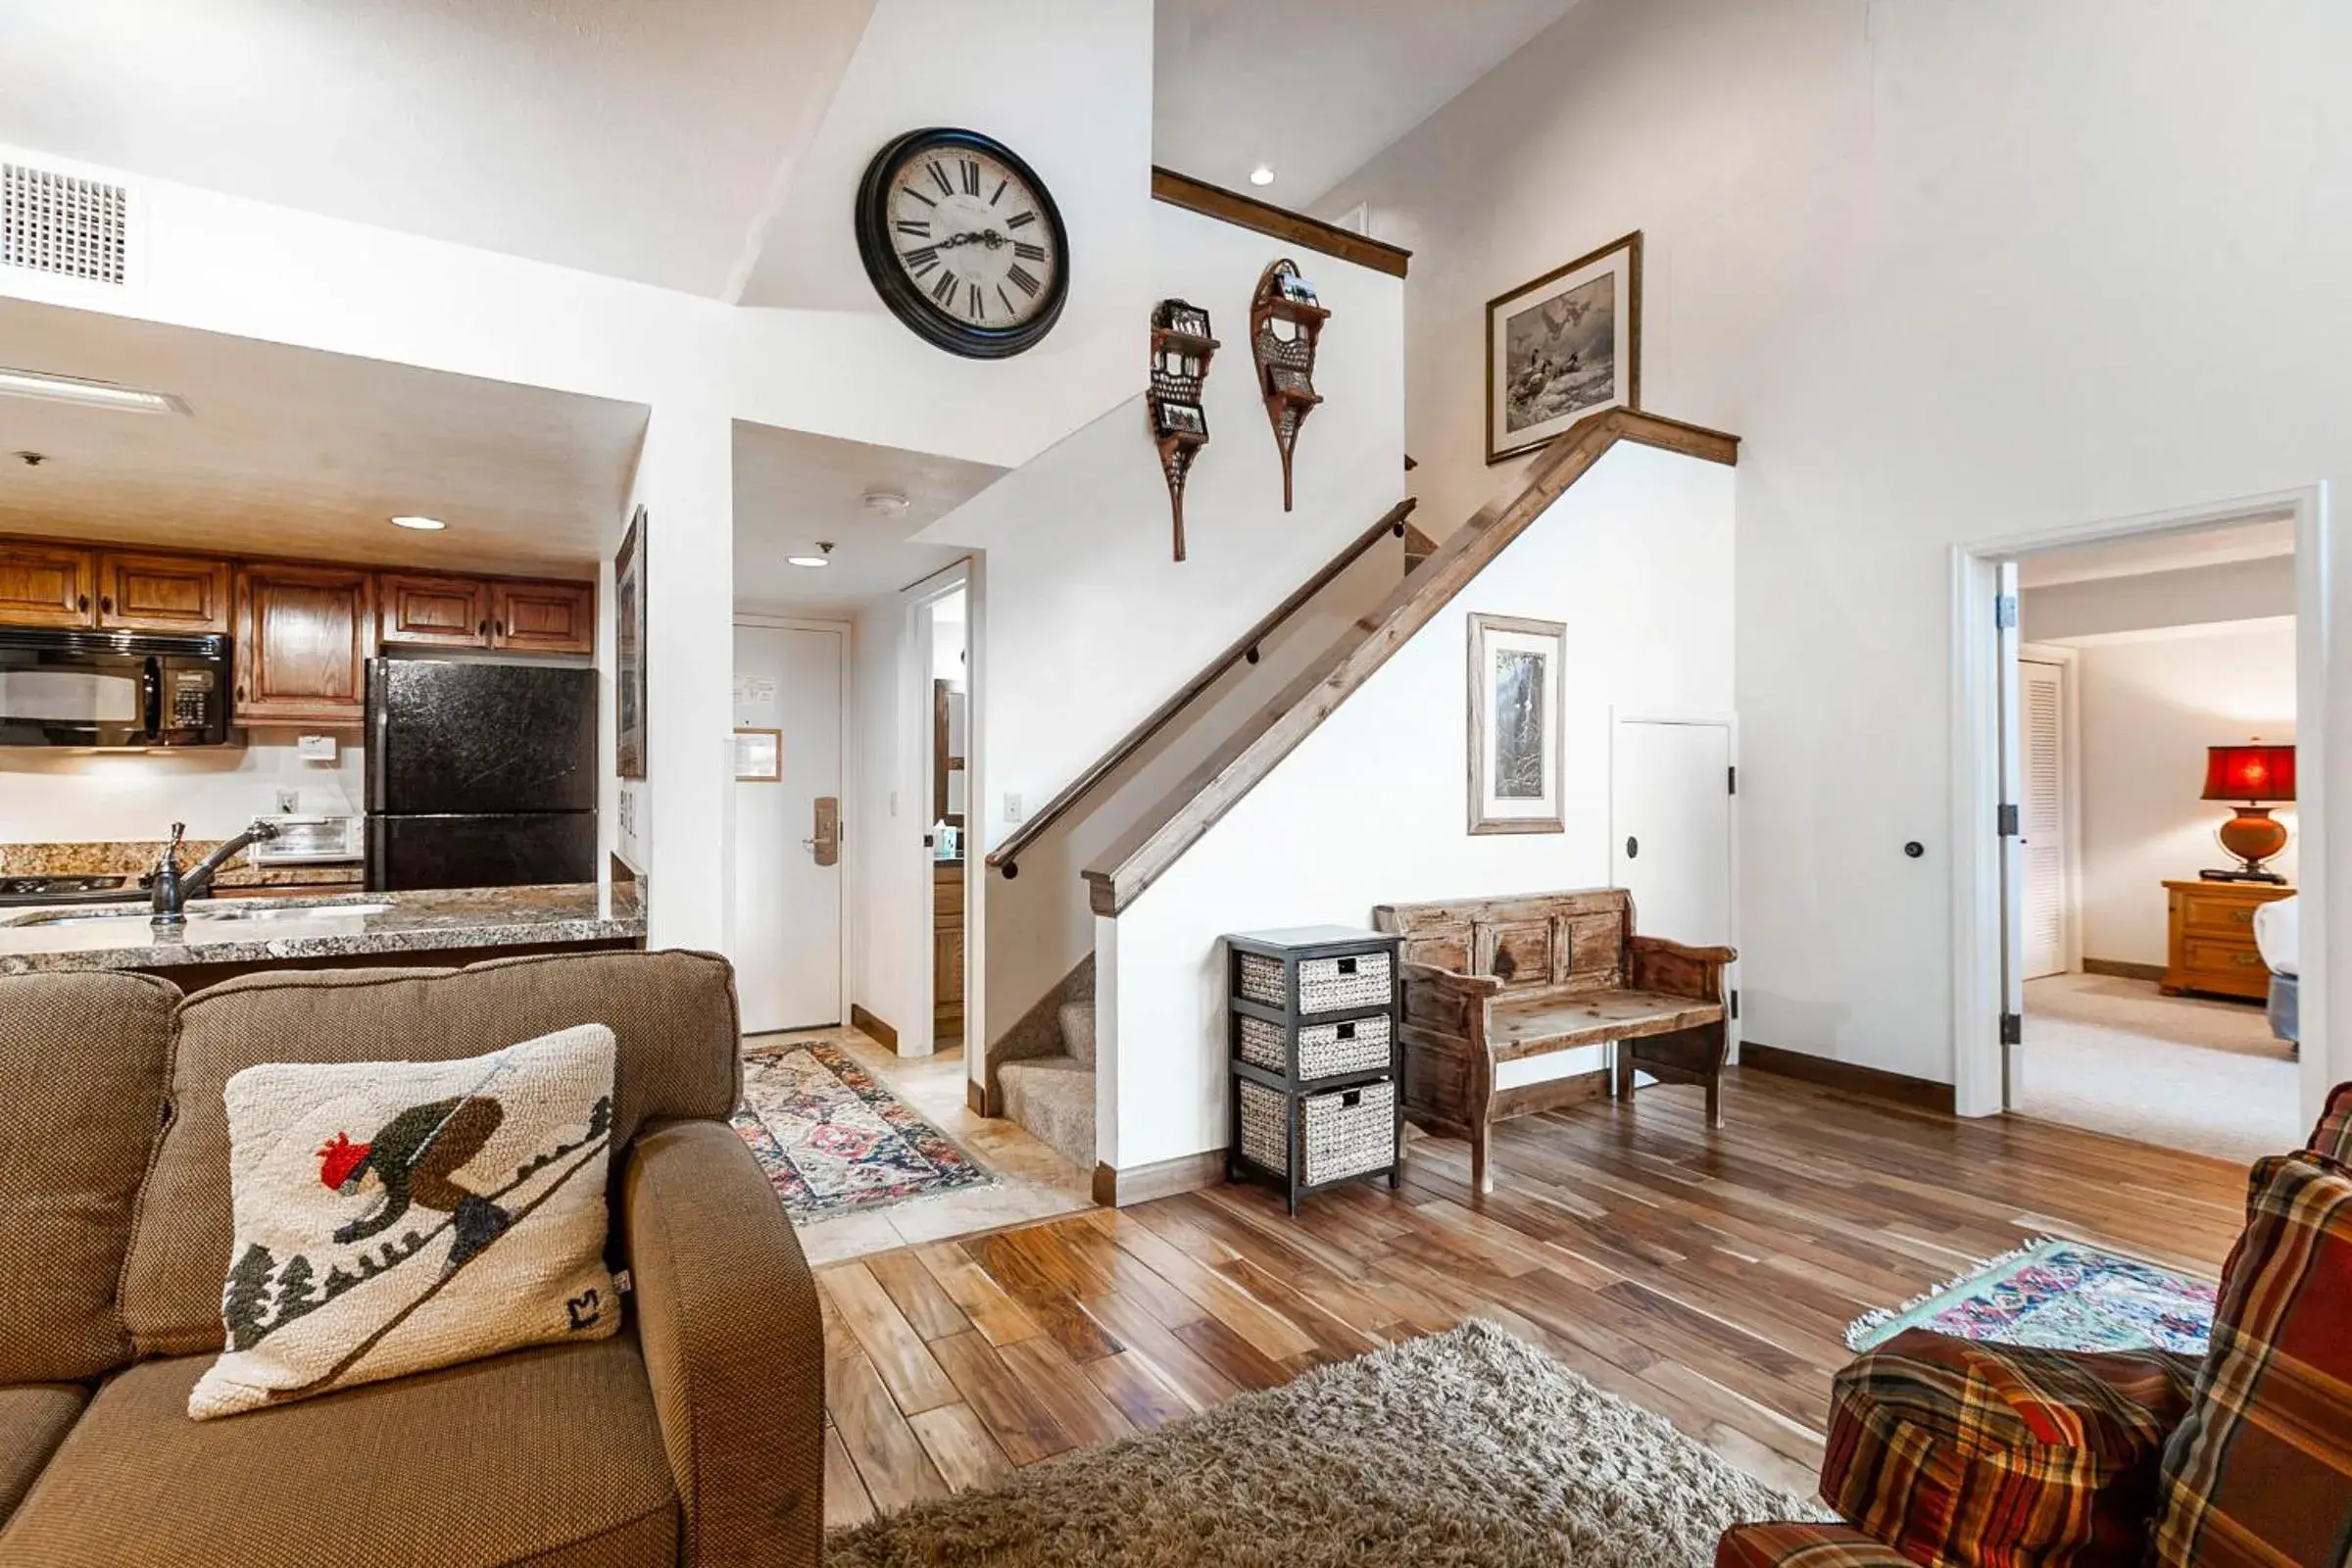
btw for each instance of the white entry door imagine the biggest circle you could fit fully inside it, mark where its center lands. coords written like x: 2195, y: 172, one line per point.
x: 2041, y: 825
x: 1670, y: 817
x: 788, y: 874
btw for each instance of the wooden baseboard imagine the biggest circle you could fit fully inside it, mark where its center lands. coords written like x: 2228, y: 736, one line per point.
x: 864, y: 1022
x: 975, y: 1098
x: 2122, y: 970
x: 1875, y: 1082
x: 1140, y: 1184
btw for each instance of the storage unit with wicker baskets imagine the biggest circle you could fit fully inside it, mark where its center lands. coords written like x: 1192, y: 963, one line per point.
x: 1314, y: 1027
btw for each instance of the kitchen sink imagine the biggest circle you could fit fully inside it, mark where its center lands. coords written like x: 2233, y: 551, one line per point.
x: 200, y: 919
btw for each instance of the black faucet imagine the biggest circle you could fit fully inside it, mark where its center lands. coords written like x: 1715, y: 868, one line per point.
x: 173, y: 888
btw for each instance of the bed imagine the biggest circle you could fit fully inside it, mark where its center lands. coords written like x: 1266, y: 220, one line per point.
x: 2278, y: 937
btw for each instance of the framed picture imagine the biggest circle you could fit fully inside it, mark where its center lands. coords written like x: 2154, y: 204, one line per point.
x: 1565, y: 345
x: 628, y: 610
x: 758, y: 755
x: 1515, y: 718
x: 1183, y: 419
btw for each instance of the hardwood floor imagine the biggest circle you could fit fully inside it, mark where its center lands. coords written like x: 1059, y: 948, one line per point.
x: 1709, y: 1278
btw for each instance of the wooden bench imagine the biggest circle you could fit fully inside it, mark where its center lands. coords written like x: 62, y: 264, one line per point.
x: 1495, y: 980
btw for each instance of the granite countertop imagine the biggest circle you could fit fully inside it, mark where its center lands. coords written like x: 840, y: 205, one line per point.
x: 134, y: 859
x: 265, y: 930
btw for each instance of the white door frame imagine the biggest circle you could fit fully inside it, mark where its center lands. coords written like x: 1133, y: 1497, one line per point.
x: 2070, y: 785
x: 850, y: 835
x: 1729, y: 722
x: 1975, y: 887
x: 918, y: 1038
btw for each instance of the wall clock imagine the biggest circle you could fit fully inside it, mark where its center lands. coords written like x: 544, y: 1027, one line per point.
x: 963, y: 242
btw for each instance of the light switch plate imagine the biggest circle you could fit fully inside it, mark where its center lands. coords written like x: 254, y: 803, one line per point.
x: 1012, y: 807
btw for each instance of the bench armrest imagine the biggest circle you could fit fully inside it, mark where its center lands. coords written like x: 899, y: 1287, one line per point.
x: 1470, y: 985
x: 1673, y: 969
x: 727, y: 1320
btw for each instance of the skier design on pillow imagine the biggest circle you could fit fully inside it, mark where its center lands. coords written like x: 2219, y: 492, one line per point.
x: 415, y: 1158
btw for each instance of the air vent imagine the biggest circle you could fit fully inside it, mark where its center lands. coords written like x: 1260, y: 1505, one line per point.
x: 62, y: 226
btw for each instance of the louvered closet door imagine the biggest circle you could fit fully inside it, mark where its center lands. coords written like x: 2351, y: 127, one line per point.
x: 2043, y: 711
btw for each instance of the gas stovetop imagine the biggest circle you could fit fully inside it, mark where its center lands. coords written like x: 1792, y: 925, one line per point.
x: 20, y: 890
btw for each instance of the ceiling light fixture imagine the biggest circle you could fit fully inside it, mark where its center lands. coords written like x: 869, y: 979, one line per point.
x: 421, y: 525
x: 826, y: 545
x: 86, y: 394
x: 890, y: 501
x: 1262, y: 175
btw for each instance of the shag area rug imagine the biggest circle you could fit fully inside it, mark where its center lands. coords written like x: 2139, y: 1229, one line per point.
x: 1465, y: 1449
x: 832, y: 1138
x: 2065, y: 1295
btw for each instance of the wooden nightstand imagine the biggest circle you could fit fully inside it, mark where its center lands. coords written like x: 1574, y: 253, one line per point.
x: 2212, y: 938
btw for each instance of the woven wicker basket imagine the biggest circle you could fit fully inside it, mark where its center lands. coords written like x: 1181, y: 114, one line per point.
x: 1325, y: 1050
x: 1325, y: 985
x: 1349, y: 1132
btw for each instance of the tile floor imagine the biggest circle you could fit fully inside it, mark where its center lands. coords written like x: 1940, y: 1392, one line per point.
x: 1034, y: 1181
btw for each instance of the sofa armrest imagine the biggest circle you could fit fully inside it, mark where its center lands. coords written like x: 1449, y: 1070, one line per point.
x: 1673, y: 969
x: 734, y: 1346
x: 1962, y: 1451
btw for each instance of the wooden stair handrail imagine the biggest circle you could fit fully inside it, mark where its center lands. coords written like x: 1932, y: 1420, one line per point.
x: 1005, y: 856
x: 1214, y: 787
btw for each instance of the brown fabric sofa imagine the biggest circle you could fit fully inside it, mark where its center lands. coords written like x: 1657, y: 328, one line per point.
x: 694, y: 1435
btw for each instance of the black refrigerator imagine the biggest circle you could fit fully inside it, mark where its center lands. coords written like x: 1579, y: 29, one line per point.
x: 479, y: 774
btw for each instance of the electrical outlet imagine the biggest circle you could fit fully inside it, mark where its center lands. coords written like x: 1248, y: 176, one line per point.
x: 1012, y: 807
x: 289, y: 801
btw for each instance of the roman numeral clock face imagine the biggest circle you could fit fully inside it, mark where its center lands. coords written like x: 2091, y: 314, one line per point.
x: 963, y: 242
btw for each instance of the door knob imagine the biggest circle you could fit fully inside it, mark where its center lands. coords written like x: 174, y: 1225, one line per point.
x: 1633, y: 847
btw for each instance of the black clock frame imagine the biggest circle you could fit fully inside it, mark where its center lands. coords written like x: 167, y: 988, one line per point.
x: 906, y: 299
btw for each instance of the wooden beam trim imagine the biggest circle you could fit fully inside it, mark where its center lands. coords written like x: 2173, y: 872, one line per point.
x: 1265, y: 218
x: 1213, y: 789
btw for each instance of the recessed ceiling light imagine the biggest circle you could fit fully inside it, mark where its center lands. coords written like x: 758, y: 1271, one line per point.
x: 886, y: 501
x: 87, y: 394
x: 825, y: 545
x: 1262, y: 175
x: 421, y: 525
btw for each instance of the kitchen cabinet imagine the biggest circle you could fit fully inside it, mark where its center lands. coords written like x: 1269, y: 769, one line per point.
x: 545, y: 618
x: 162, y: 593
x: 43, y: 584
x: 947, y: 952
x: 431, y: 611
x: 304, y: 637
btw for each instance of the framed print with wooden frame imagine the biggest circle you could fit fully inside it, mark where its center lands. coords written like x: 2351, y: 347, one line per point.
x: 1516, y: 710
x: 758, y: 755
x: 628, y: 642
x: 1562, y: 345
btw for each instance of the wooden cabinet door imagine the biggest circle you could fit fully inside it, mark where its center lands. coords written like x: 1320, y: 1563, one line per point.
x: 304, y: 634
x: 432, y: 612
x: 162, y: 593
x: 947, y: 974
x: 543, y: 617
x: 44, y: 585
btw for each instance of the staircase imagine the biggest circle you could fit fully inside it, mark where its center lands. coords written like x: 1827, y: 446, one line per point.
x: 1054, y: 1097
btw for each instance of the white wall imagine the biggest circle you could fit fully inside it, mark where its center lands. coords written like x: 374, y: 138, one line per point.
x: 1954, y: 272
x: 2150, y: 702
x: 1637, y: 560
x: 2237, y: 590
x: 86, y: 798
x: 1090, y: 624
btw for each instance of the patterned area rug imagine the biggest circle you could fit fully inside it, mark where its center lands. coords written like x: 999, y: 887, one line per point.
x: 832, y: 1138
x: 2068, y: 1296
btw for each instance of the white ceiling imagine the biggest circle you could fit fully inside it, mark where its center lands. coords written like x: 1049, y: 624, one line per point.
x: 794, y: 489
x: 1316, y: 90
x: 293, y: 451
x: 2248, y: 539
x: 630, y: 137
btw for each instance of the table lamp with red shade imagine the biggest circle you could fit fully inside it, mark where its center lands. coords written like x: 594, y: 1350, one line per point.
x: 2260, y: 777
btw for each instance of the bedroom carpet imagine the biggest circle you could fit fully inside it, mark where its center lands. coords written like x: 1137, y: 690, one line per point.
x: 2116, y: 1057
x: 1464, y: 1449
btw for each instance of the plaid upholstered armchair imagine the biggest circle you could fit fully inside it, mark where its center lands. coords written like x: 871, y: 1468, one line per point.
x: 1946, y: 1451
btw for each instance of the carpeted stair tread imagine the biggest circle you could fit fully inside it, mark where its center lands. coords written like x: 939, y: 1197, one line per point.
x: 1054, y: 1097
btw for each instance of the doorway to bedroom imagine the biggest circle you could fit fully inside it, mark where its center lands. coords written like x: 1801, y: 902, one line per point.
x: 2150, y: 727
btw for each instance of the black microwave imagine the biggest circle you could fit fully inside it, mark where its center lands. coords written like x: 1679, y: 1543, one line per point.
x: 112, y: 688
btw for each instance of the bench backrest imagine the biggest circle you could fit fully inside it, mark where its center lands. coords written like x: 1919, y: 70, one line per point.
x: 1565, y: 942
